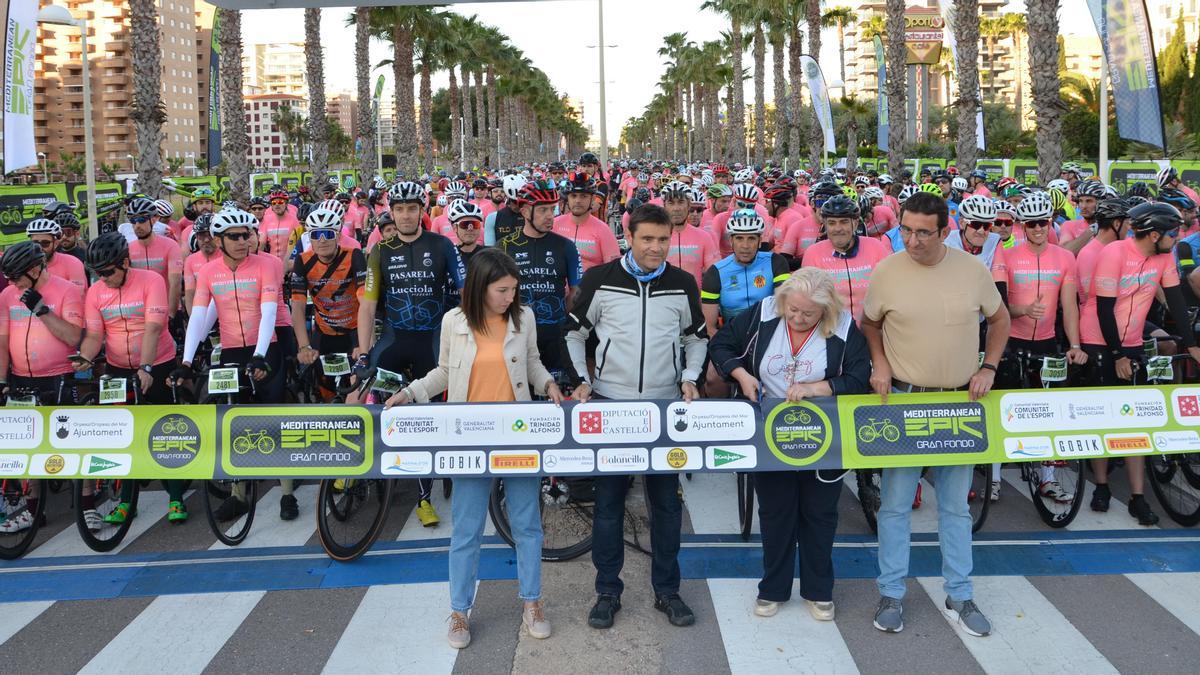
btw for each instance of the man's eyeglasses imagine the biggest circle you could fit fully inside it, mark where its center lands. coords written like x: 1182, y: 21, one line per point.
x: 138, y: 220
x: 977, y: 224
x: 322, y: 235
x: 1042, y: 222
x: 236, y: 236
x: 922, y: 235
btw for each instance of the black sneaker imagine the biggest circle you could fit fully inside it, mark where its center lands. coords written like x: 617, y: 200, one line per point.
x: 288, y: 508
x: 231, y: 508
x: 1100, y: 498
x: 1138, y: 508
x: 604, y: 610
x: 673, y: 606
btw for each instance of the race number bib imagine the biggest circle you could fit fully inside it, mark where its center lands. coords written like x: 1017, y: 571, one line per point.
x: 386, y: 381
x: 1054, y: 369
x: 334, y: 365
x: 1159, y: 368
x: 21, y: 401
x: 223, y: 381
x: 112, y: 391
x: 216, y: 353
x: 1150, y: 348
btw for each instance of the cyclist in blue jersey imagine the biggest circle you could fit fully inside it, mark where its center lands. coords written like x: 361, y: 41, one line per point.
x: 744, y: 277
x: 550, y: 268
x: 414, y: 274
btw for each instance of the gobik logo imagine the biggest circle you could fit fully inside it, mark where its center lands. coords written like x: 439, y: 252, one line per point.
x: 301, y: 440
x: 798, y: 434
x: 920, y: 429
x: 174, y: 441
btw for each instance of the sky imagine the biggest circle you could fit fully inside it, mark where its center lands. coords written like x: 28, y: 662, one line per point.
x: 555, y: 36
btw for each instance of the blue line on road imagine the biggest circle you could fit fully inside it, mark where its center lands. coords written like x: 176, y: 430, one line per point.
x: 702, y: 557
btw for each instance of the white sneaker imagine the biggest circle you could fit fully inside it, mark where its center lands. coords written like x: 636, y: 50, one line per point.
x: 995, y: 496
x: 92, y: 519
x: 1054, y: 491
x: 821, y: 611
x: 18, y: 523
x: 765, y: 607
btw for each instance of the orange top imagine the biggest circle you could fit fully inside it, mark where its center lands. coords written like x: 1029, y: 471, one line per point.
x: 489, y: 375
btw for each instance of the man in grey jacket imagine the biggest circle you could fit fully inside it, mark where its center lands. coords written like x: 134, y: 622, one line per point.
x: 641, y: 309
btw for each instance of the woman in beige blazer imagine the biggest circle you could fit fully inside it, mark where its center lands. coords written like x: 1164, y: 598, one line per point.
x: 489, y: 353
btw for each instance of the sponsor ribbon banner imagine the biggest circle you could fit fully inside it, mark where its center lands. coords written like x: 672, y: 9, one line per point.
x: 820, y: 99
x: 214, y: 94
x: 596, y: 438
x: 20, y: 41
x: 1124, y: 30
x: 881, y: 102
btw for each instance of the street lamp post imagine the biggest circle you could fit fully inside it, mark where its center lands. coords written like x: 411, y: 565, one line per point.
x: 603, y: 96
x: 57, y: 15
x: 45, y: 174
x: 132, y: 168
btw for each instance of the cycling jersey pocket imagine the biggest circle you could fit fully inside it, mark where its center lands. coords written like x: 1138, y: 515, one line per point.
x: 602, y: 358
x: 957, y: 309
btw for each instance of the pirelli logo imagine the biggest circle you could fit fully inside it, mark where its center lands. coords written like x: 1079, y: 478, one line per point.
x: 507, y: 461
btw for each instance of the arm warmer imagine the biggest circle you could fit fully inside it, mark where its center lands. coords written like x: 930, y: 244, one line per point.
x: 266, y: 328
x: 1106, y: 312
x: 196, y: 330
x: 1178, y: 308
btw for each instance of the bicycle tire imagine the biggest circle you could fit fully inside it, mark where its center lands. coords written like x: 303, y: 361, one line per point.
x: 1052, y: 518
x: 1168, y: 475
x: 328, y: 505
x: 111, y: 536
x: 447, y: 488
x: 231, y: 537
x: 870, y: 484
x: 745, y: 494
x: 14, y: 546
x: 550, y: 487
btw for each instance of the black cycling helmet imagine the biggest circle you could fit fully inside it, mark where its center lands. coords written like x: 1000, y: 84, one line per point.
x: 66, y: 219
x: 1142, y: 190
x: 303, y: 210
x: 1155, y: 217
x: 579, y: 183
x: 642, y: 194
x: 20, y: 258
x: 202, y: 224
x: 140, y: 206
x: 107, y: 250
x: 840, y: 206
x: 52, y: 209
x: 589, y: 158
x: 1109, y: 210
x: 258, y: 201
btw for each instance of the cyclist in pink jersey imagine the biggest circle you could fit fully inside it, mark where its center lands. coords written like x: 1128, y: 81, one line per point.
x: 1128, y: 275
x: 1075, y: 234
x: 41, y: 319
x: 850, y: 258
x: 278, y: 223
x: 46, y: 234
x: 593, y: 237
x: 720, y: 196
x: 154, y: 252
x: 881, y: 218
x: 126, y: 313
x: 698, y: 210
x: 691, y: 249
x: 977, y: 179
x: 1041, y: 276
x: 1168, y: 178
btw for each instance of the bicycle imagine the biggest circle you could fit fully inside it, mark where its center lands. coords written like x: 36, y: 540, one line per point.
x: 1175, y: 477
x: 224, y: 385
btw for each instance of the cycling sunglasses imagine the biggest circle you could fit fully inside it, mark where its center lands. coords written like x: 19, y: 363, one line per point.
x: 236, y: 236
x: 1043, y: 222
x: 977, y: 224
x: 322, y: 235
x: 698, y: 209
x: 257, y: 207
x: 106, y: 272
x: 278, y: 201
x: 469, y: 224
x: 138, y: 220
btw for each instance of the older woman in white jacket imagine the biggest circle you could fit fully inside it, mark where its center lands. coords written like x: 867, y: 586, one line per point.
x: 489, y: 353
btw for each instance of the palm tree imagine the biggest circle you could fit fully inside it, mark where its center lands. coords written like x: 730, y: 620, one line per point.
x: 397, y: 25
x: 318, y: 130
x: 736, y: 10
x: 1015, y: 25
x: 428, y: 31
x: 777, y: 34
x: 758, y: 16
x: 839, y: 17
x: 147, y: 111
x: 362, y: 70
x: 1048, y: 108
x: 966, y: 37
x: 991, y: 29
x: 896, y: 85
x: 815, y: 138
x: 855, y: 114
x: 235, y: 141
x: 673, y: 46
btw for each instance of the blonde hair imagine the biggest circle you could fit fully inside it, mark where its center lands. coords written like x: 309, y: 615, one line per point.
x: 819, y: 286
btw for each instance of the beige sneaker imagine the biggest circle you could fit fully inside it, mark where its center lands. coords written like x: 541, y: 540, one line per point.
x: 765, y: 607
x: 459, y: 634
x: 533, y: 621
x: 821, y: 611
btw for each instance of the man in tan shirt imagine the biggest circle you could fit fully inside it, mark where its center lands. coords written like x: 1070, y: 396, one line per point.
x: 921, y: 323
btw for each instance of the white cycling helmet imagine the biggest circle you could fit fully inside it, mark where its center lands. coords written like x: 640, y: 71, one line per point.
x: 457, y: 188
x: 165, y: 210
x: 461, y: 209
x: 333, y: 205
x: 977, y: 208
x: 227, y: 219
x: 1060, y: 185
x: 1035, y: 206
x: 323, y: 219
x: 1002, y: 206
x: 407, y: 191
x: 512, y: 186
x: 1167, y: 176
x: 873, y: 193
x: 746, y: 192
x: 676, y: 190
x: 959, y: 183
x: 744, y: 176
x: 906, y: 192
x: 746, y: 221
x: 699, y: 198
x: 885, y: 179
x: 43, y: 226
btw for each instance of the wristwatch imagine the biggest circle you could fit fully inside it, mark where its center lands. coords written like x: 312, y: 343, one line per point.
x: 146, y: 368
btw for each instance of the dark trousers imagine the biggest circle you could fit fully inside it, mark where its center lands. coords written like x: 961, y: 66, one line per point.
x: 608, y: 542
x: 795, y: 509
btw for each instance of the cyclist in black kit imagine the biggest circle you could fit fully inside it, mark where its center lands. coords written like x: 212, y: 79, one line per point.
x: 550, y: 268
x: 414, y: 273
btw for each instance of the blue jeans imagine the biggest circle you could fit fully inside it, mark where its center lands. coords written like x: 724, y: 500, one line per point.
x: 954, y: 528
x: 469, y: 507
x: 608, y: 528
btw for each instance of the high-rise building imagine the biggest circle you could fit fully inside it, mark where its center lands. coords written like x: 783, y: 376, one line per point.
x: 274, y: 68
x: 270, y: 141
x: 344, y: 108
x: 204, y: 23
x: 1163, y: 17
x: 58, y: 92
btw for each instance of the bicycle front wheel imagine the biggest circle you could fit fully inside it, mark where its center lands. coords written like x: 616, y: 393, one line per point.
x: 979, y: 497
x: 745, y: 494
x: 107, y: 496
x: 230, y: 533
x: 1058, y: 512
x: 13, y: 504
x: 1175, y: 480
x: 350, y: 515
x: 870, y: 484
x: 566, y: 518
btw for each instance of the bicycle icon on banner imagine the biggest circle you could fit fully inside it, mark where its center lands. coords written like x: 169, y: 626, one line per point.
x: 254, y: 440
x: 873, y: 430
